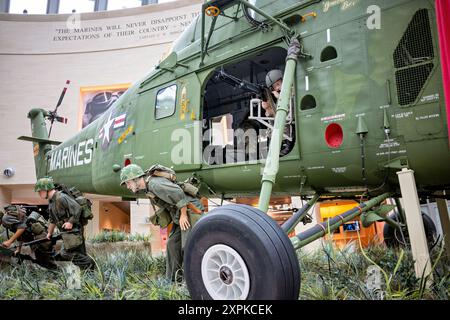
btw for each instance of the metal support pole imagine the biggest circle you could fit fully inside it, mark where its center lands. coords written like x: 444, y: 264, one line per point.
x: 414, y: 222
x: 321, y: 229
x: 273, y: 157
x: 445, y: 222
x: 202, y: 40
x: 293, y: 221
x: 211, y: 30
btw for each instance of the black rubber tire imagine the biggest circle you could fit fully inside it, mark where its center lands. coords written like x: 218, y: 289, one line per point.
x: 392, y: 235
x: 268, y: 253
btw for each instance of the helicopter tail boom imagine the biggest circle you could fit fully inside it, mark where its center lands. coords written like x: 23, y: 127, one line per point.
x: 41, y: 143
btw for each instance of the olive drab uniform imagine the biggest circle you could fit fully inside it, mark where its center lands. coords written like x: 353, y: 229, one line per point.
x: 170, y: 198
x: 62, y: 209
x: 35, y: 229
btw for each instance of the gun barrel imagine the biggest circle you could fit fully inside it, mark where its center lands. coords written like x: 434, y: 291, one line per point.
x: 36, y: 242
x: 240, y: 83
x: 53, y: 239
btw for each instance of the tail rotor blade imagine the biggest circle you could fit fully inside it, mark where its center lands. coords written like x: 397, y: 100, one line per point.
x: 61, y: 119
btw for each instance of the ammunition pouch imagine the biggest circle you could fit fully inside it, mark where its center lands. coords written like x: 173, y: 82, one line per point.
x: 36, y: 223
x: 161, y: 218
x: 82, y: 201
x: 37, y: 228
x: 86, y: 212
x: 72, y: 240
x: 189, y: 189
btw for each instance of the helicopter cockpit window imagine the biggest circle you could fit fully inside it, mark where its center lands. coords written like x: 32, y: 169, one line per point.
x: 236, y: 125
x: 165, y: 102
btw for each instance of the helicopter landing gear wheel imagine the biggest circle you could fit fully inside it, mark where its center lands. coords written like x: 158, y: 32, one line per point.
x: 238, y: 252
x: 393, y: 237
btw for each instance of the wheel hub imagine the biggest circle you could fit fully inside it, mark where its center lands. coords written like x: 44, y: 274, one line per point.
x: 225, y: 274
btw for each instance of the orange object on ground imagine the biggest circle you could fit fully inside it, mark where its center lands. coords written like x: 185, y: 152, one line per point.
x: 349, y: 231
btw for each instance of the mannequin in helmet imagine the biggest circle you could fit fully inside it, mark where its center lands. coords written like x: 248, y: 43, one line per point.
x: 65, y: 213
x: 178, y: 207
x: 274, y: 81
x: 27, y: 229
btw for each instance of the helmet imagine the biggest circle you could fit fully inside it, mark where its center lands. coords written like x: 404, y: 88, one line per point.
x: 44, y: 184
x: 11, y: 208
x: 34, y: 216
x: 14, y: 210
x: 273, y: 76
x: 130, y: 172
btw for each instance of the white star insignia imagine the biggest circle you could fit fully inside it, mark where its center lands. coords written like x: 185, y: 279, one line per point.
x: 106, y: 128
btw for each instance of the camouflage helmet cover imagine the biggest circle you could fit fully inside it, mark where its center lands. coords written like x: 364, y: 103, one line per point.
x: 273, y: 76
x: 14, y: 210
x: 130, y: 172
x: 44, y: 184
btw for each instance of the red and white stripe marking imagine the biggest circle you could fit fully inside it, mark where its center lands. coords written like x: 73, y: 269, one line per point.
x: 120, y: 121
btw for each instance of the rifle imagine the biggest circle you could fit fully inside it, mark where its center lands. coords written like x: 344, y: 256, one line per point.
x: 257, y: 89
x: 53, y: 239
x: 262, y: 92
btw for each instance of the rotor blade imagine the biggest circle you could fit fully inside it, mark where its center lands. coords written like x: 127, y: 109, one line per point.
x: 51, y: 126
x: 61, y: 97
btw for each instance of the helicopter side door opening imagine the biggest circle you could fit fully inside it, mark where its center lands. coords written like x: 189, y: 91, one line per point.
x: 236, y: 126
